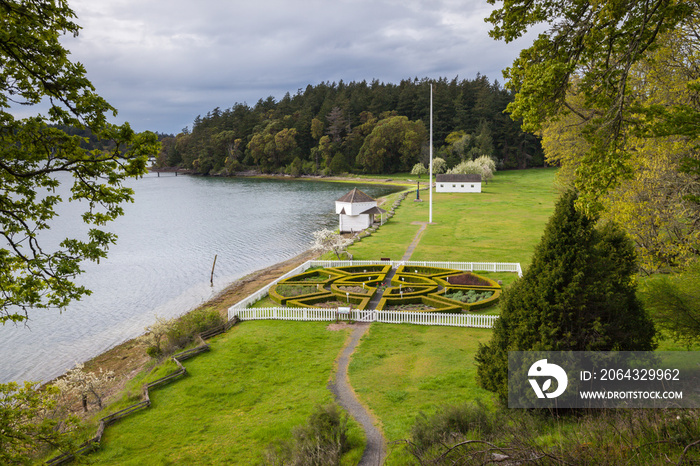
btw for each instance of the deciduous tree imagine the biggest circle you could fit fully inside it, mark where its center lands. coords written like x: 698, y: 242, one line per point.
x: 26, y: 422
x: 35, y: 68
x: 393, y: 145
x: 595, y: 46
x: 85, y: 383
x: 655, y: 200
x: 419, y: 169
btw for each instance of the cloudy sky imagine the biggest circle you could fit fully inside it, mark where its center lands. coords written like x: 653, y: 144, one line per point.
x: 163, y: 62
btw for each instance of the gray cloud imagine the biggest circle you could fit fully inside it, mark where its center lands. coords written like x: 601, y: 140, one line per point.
x: 161, y: 63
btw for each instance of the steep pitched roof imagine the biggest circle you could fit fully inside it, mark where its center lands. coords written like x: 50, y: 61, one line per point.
x: 470, y: 178
x: 374, y: 210
x: 355, y: 196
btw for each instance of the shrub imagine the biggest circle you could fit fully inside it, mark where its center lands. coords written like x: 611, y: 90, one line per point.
x: 473, y: 420
x: 320, y: 442
x: 184, y: 330
x: 474, y: 435
x: 167, y: 335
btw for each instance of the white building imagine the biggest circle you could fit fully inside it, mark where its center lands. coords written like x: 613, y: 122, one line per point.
x: 356, y: 210
x: 458, y: 183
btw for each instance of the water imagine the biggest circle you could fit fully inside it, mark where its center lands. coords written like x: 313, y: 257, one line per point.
x: 163, y: 258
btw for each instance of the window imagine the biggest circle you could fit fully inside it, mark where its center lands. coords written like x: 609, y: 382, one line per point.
x: 454, y: 185
x: 472, y: 186
x: 462, y: 186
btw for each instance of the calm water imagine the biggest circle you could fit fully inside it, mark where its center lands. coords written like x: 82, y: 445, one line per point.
x: 162, y: 261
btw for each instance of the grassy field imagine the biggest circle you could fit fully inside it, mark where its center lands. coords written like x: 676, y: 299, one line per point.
x: 258, y: 381
x: 399, y: 371
x: 262, y: 378
x: 501, y: 224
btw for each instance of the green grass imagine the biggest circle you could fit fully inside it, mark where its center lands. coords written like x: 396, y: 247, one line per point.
x: 263, y: 378
x: 402, y: 370
x: 258, y: 381
x: 503, y: 223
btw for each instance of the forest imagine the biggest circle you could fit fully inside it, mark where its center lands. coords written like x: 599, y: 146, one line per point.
x: 356, y: 127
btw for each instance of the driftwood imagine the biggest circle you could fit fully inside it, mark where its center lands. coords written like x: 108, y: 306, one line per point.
x: 94, y: 442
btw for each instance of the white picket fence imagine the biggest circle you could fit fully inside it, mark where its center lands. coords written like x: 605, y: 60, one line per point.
x: 241, y: 309
x: 389, y: 317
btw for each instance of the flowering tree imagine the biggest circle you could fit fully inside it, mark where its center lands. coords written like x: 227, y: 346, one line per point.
x: 85, y: 383
x: 153, y: 338
x: 328, y: 240
x: 419, y: 169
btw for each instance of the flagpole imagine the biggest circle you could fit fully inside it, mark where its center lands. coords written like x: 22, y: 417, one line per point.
x: 430, y: 185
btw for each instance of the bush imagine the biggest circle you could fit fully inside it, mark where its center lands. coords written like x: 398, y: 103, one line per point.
x: 469, y: 420
x: 472, y: 434
x: 165, y: 336
x: 320, y: 442
x: 184, y: 330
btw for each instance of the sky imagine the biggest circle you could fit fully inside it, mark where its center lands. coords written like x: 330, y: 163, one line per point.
x: 163, y: 62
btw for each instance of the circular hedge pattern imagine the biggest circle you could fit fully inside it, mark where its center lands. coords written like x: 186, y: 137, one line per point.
x: 410, y: 289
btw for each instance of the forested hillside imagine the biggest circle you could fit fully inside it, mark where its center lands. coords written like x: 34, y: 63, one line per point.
x: 356, y: 127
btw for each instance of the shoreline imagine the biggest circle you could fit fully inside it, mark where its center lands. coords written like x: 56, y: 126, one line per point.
x: 333, y: 179
x: 129, y: 358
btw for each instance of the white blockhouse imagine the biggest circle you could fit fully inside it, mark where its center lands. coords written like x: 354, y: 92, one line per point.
x: 470, y: 183
x: 356, y: 211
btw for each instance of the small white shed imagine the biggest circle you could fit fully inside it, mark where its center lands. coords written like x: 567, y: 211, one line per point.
x: 470, y: 183
x: 356, y: 211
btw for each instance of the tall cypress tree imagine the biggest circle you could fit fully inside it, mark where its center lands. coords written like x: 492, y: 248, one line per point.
x: 579, y: 294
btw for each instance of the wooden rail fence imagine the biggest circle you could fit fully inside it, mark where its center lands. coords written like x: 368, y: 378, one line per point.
x: 94, y: 442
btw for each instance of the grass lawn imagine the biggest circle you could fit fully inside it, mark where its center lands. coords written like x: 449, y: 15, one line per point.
x: 258, y: 381
x: 402, y: 370
x: 503, y: 223
x: 263, y: 378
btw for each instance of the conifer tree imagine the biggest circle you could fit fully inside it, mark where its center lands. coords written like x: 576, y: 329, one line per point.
x: 577, y: 295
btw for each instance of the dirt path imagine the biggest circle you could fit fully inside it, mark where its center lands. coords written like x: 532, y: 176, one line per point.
x: 375, y: 450
x: 416, y: 240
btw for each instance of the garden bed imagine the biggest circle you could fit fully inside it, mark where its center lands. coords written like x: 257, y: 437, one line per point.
x: 469, y: 296
x: 417, y: 304
x: 295, y: 290
x: 468, y: 279
x: 410, y: 308
x: 353, y: 289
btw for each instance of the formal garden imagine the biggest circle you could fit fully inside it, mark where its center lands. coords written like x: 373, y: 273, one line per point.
x: 409, y: 288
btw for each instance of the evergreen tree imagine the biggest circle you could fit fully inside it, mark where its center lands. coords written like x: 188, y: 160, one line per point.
x: 577, y: 295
